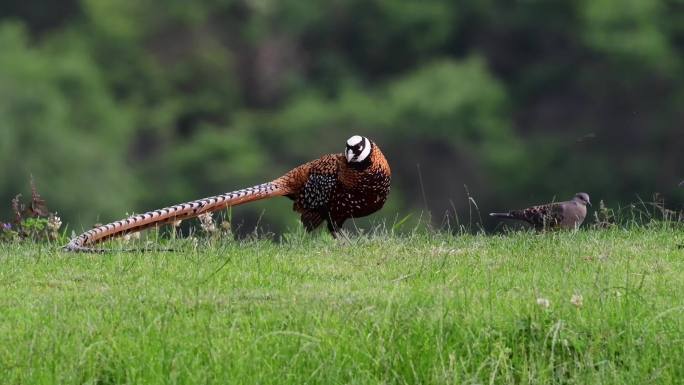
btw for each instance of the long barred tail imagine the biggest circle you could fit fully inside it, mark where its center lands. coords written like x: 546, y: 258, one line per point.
x: 170, y: 214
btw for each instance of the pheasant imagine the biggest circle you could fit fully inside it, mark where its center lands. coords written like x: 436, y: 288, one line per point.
x: 332, y: 188
x: 557, y: 215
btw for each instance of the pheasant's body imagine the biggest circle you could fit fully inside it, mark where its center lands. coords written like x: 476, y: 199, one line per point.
x: 332, y: 188
x: 335, y: 190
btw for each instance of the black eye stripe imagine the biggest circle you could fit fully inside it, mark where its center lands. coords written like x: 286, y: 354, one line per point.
x: 357, y: 149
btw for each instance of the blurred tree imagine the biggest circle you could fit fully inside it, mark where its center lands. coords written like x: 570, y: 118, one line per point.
x: 41, y: 16
x: 59, y: 123
x: 122, y: 105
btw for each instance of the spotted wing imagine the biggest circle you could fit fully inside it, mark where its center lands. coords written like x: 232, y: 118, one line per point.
x: 317, y: 191
x: 541, y: 217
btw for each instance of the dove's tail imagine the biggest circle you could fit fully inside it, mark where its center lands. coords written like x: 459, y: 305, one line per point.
x: 502, y: 215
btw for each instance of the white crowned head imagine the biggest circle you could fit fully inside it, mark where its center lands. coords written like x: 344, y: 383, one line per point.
x: 358, y: 149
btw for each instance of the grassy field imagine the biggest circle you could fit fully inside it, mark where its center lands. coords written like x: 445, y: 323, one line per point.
x: 594, y: 306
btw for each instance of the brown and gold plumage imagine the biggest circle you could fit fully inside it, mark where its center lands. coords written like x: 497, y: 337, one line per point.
x: 332, y: 188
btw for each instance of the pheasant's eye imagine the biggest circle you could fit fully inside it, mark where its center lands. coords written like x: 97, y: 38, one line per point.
x: 356, y: 149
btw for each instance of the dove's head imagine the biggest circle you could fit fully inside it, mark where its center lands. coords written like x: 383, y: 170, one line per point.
x: 582, y: 198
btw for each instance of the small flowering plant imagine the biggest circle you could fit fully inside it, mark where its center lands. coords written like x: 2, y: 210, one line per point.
x: 577, y: 300
x: 32, y: 220
x: 544, y: 303
x: 7, y: 233
x: 207, y: 223
x: 214, y: 229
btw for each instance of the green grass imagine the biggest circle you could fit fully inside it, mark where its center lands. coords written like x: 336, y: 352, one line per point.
x: 430, y: 309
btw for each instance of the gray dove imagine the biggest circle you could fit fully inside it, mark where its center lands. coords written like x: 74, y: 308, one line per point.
x: 557, y: 215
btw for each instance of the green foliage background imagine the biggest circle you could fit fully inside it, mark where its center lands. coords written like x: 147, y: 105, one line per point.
x: 118, y: 106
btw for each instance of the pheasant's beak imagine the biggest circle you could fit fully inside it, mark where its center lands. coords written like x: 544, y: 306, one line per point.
x: 588, y: 203
x: 350, y: 155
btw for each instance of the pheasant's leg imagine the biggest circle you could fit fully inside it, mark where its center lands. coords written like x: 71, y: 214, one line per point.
x: 334, y: 226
